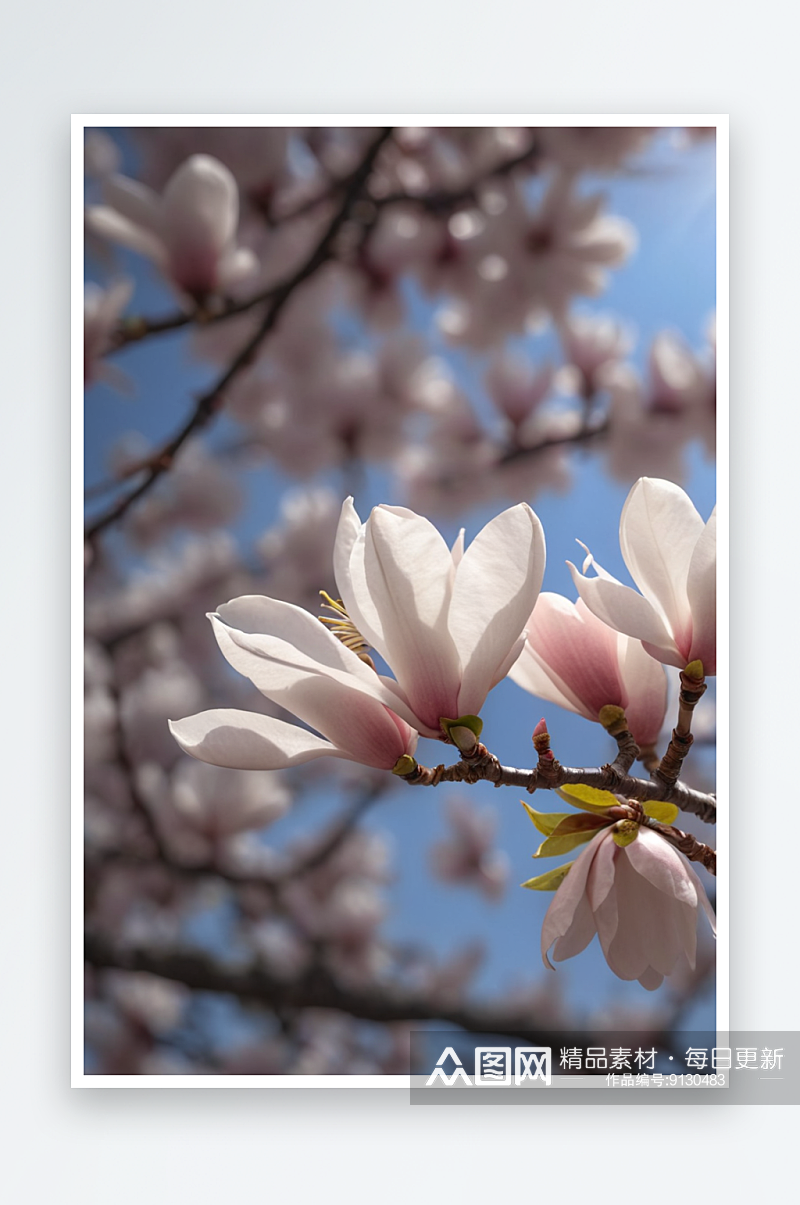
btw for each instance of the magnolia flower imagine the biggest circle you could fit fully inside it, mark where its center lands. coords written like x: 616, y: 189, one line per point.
x: 189, y: 232
x: 672, y: 556
x: 450, y: 624
x: 642, y: 899
x: 573, y: 660
x: 311, y: 674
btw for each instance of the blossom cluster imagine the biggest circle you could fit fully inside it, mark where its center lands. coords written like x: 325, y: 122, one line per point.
x: 451, y: 623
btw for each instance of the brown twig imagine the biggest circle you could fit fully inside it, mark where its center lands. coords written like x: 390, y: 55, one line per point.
x: 605, y: 778
x: 693, y: 687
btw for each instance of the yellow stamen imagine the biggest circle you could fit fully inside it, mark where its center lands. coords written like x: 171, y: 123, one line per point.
x: 342, y: 626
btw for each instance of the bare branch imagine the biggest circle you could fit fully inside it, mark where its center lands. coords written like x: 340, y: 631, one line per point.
x: 317, y: 988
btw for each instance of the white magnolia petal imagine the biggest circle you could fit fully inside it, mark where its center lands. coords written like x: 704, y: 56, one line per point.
x: 644, y: 684
x: 200, y: 206
x: 350, y: 575
x: 495, y: 589
x: 407, y: 566
x: 655, y: 860
x: 581, y: 931
x: 702, y: 898
x: 702, y: 592
x: 319, y: 694
x: 533, y: 675
x: 135, y: 201
x: 457, y: 551
x: 561, y: 913
x: 624, y: 610
x: 658, y: 530
x: 244, y: 740
x: 259, y: 615
x: 503, y: 668
x: 106, y: 222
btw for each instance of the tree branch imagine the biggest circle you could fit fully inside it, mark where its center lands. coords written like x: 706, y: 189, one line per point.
x: 317, y: 988
x: 605, y: 778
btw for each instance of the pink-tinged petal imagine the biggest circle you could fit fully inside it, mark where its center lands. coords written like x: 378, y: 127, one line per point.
x: 329, y: 701
x: 244, y: 740
x: 112, y: 225
x: 200, y: 212
x: 626, y: 611
x: 702, y: 592
x: 651, y: 980
x: 644, y: 685
x: 135, y: 201
x: 495, y: 589
x: 702, y: 898
x: 655, y: 860
x: 320, y: 694
x: 579, y: 653
x: 645, y: 935
x: 658, y: 530
x: 565, y: 903
x: 200, y: 205
x: 351, y: 578
x: 531, y: 673
x: 407, y: 566
x: 581, y: 931
x: 601, y: 876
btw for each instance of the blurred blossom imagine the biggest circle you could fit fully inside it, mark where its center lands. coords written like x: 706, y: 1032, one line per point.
x: 295, y: 548
x: 466, y: 856
x: 189, y: 231
x: 597, y: 148
x: 516, y: 389
x: 200, y: 493
x: 101, y: 155
x: 593, y: 343
x: 102, y: 309
x: 678, y: 379
x: 199, y: 807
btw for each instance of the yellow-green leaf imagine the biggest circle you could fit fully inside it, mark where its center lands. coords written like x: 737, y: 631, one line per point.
x: 570, y: 832
x: 590, y: 799
x: 563, y: 844
x: 665, y: 813
x: 545, y: 821
x: 551, y: 880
